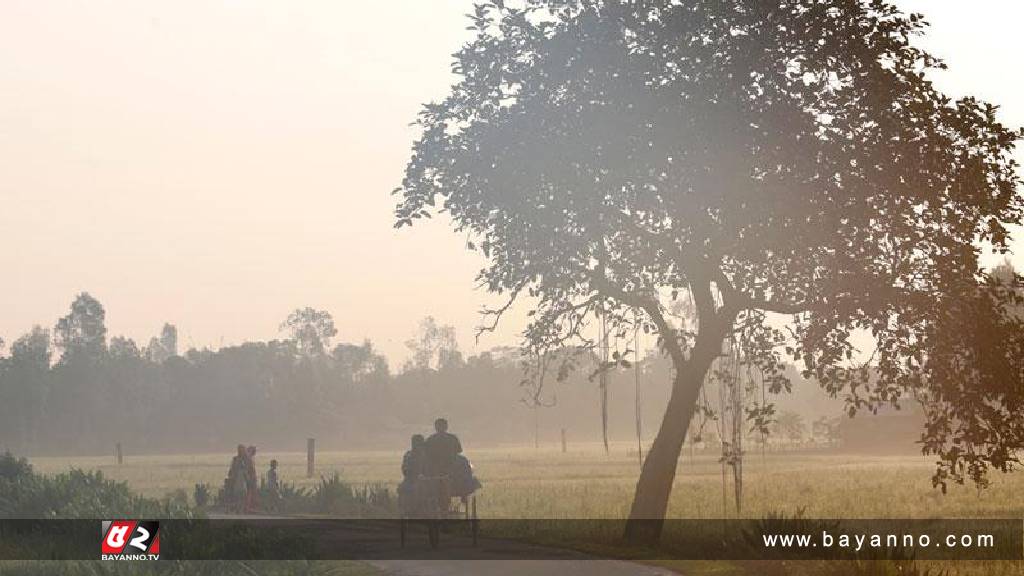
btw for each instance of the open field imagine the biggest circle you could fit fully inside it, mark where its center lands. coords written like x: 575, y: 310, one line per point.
x: 523, y: 482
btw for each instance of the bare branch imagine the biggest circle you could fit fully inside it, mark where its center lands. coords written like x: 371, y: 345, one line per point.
x: 497, y: 313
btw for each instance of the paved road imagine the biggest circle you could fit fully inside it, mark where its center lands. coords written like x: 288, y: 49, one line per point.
x: 580, y: 567
x: 490, y: 557
x: 456, y: 554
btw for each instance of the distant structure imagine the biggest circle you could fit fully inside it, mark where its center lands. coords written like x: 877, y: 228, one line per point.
x: 888, y: 432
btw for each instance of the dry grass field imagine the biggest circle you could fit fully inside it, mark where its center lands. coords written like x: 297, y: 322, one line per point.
x: 524, y: 482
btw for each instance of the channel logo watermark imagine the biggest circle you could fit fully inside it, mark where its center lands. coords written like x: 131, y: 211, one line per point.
x: 130, y: 540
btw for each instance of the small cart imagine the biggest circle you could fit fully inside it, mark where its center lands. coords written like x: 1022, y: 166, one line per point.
x: 431, y: 502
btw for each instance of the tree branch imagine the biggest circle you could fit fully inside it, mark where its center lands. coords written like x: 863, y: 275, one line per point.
x: 652, y: 308
x: 777, y: 307
x: 683, y: 260
x: 497, y: 313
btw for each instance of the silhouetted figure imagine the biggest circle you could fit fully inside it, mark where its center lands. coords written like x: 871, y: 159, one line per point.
x: 413, y: 463
x: 251, y: 480
x: 236, y: 486
x: 441, y: 450
x: 463, y: 482
x: 273, y: 485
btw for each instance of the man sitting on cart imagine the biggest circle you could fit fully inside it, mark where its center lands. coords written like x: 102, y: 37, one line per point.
x: 446, y: 474
x: 444, y: 459
x: 441, y: 450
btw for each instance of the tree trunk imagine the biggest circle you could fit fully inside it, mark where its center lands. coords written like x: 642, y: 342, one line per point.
x: 647, y: 515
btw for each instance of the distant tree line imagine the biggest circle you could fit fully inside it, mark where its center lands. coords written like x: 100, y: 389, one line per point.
x: 72, y: 389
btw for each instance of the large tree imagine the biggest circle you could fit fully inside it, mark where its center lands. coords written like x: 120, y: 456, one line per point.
x: 435, y: 346
x: 165, y: 346
x: 770, y: 161
x: 311, y: 329
x: 23, y: 387
x: 82, y: 334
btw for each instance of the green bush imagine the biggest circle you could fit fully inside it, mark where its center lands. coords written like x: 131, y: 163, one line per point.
x: 12, y: 469
x: 75, y: 494
x: 332, y: 496
x: 336, y: 497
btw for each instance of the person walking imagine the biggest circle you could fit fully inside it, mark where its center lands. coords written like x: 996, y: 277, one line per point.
x: 273, y: 486
x: 251, y: 480
x: 235, y: 486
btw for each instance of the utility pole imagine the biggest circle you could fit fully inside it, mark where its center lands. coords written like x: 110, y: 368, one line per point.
x: 310, y: 456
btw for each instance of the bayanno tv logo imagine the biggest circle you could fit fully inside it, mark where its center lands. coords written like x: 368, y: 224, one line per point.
x: 130, y: 540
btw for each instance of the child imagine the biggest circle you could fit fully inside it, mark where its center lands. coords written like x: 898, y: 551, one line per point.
x: 273, y: 485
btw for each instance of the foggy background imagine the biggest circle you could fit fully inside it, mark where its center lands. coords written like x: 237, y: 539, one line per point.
x: 217, y: 164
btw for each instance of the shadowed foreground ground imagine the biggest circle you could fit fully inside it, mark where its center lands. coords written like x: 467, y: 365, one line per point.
x: 516, y: 568
x: 488, y: 557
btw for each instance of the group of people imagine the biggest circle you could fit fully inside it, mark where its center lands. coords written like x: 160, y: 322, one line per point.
x: 440, y: 455
x: 242, y: 486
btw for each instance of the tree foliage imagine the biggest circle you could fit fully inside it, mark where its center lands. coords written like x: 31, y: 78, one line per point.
x: 434, y: 347
x: 756, y: 158
x: 82, y: 334
x: 312, y: 330
x: 271, y: 395
x: 165, y: 346
x: 100, y: 393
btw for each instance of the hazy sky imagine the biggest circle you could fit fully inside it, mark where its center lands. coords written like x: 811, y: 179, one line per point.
x: 216, y: 164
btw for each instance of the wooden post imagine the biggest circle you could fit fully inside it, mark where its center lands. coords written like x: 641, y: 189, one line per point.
x: 310, y: 451
x: 119, y: 454
x: 563, y: 440
x: 536, y: 426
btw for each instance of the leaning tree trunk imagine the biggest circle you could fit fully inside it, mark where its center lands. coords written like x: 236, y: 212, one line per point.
x: 647, y: 515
